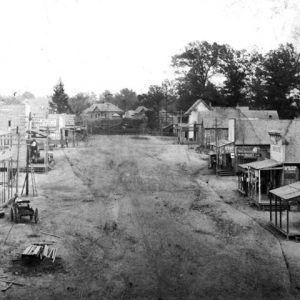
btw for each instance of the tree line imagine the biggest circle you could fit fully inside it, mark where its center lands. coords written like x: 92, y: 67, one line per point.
x: 216, y: 73
x: 224, y: 76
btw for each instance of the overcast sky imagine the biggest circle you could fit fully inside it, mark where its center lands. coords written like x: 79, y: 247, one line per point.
x: 95, y: 45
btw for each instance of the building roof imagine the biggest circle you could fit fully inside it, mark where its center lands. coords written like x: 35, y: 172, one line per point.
x: 258, y: 114
x: 194, y: 106
x: 102, y: 107
x: 220, y: 116
x: 287, y: 192
x: 261, y: 164
x: 256, y: 132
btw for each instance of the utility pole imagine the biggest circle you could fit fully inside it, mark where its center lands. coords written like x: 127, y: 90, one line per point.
x: 216, y: 144
x: 18, y: 157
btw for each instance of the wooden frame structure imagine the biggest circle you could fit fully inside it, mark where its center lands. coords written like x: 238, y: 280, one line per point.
x: 8, y: 168
x: 253, y: 173
x: 282, y: 200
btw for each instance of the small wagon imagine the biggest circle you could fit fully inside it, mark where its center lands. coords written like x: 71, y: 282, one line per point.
x: 22, y: 208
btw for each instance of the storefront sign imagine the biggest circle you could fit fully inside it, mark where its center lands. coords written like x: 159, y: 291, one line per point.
x: 290, y: 172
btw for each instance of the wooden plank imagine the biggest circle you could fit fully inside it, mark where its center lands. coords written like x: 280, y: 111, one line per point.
x: 13, y: 282
x: 37, y: 250
x: 54, y: 255
x: 45, y: 250
x: 26, y: 250
x: 50, y: 234
x: 6, y: 288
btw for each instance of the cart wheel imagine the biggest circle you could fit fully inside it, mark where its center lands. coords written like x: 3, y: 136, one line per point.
x: 36, y: 215
x: 12, y: 214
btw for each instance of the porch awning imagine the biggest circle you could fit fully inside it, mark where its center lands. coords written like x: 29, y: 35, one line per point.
x: 287, y: 192
x: 221, y: 143
x: 261, y: 164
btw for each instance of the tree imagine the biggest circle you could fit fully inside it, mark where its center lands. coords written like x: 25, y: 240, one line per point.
x: 282, y: 75
x: 106, y: 96
x: 59, y: 102
x: 126, y: 99
x: 79, y: 103
x: 153, y: 100
x: 233, y: 66
x: 197, y: 65
x: 27, y: 95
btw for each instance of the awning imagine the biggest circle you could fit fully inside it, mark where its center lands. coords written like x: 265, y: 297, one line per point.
x: 36, y: 132
x: 287, y: 192
x: 221, y: 143
x: 261, y: 164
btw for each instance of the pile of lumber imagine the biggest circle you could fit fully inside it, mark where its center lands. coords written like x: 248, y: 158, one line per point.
x: 41, y: 250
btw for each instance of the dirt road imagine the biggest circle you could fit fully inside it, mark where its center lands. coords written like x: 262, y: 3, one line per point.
x: 136, y: 222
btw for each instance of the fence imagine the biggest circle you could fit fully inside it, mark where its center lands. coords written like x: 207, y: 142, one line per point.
x: 8, y: 170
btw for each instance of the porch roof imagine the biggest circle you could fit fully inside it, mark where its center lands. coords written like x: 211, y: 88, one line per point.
x: 262, y: 164
x: 287, y: 192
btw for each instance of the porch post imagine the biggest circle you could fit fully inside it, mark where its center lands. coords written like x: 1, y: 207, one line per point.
x: 248, y: 182
x: 287, y: 219
x: 270, y: 198
x: 259, y: 188
x: 280, y: 214
x: 276, y: 211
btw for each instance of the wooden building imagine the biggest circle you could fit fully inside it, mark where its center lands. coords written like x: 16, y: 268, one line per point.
x: 216, y: 118
x: 102, y: 111
x: 281, y: 169
x: 284, y: 210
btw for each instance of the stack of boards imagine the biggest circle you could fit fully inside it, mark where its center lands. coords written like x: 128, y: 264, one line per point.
x: 41, y: 251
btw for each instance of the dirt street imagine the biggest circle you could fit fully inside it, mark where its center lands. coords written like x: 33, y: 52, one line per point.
x: 137, y: 221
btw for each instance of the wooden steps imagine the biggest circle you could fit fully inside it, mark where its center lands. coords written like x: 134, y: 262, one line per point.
x: 224, y: 172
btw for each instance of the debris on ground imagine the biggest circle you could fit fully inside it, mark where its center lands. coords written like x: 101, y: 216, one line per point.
x: 40, y: 250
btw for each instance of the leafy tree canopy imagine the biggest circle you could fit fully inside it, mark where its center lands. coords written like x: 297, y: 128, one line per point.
x: 80, y: 102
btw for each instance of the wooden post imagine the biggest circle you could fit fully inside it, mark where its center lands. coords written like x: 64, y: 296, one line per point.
x: 270, y: 198
x: 287, y: 220
x: 4, y: 183
x: 276, y: 211
x: 259, y: 187
x: 18, y: 157
x: 280, y: 213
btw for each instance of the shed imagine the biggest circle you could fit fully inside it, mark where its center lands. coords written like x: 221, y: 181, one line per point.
x: 282, y: 215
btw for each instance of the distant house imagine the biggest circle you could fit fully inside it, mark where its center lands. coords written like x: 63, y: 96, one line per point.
x: 102, y: 111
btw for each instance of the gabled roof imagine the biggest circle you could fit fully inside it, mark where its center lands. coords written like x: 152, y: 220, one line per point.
x: 103, y: 107
x: 194, y: 106
x: 219, y: 117
x: 256, y: 132
x: 258, y: 114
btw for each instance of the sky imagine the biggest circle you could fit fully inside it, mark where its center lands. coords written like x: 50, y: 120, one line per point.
x: 97, y: 45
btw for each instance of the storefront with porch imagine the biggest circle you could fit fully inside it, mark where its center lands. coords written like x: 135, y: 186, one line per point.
x: 256, y: 179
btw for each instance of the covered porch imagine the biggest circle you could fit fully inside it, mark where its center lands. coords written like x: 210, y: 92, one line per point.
x: 256, y: 179
x: 284, y: 210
